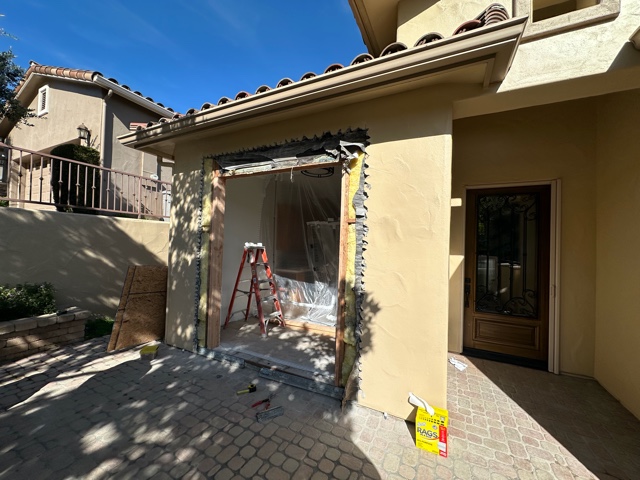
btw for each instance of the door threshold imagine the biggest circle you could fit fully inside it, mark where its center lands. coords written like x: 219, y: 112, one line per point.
x: 259, y: 361
x: 504, y: 358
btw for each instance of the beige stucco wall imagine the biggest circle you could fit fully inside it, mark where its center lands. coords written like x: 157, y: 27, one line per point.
x: 119, y: 114
x: 65, y: 114
x: 579, y: 62
x: 537, y: 144
x: 85, y: 257
x: 418, y: 17
x: 404, y: 344
x: 618, y: 263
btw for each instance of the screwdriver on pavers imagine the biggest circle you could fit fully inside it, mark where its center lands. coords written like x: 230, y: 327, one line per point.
x: 250, y: 388
x: 266, y: 401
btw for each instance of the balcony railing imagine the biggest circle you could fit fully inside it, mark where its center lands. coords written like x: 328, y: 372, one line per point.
x: 38, y: 180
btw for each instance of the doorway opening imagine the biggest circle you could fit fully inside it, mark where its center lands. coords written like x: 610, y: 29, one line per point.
x: 506, y: 286
x: 296, y: 215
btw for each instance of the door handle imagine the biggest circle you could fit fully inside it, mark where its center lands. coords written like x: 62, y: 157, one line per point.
x: 467, y: 291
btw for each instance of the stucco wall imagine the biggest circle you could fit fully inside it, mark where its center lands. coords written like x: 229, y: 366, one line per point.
x: 537, y: 144
x: 66, y: 112
x: 85, y: 257
x: 119, y: 114
x: 579, y: 62
x: 418, y: 17
x: 618, y: 263
x: 404, y: 344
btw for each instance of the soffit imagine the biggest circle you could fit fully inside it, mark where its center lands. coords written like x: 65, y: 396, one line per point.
x: 377, y: 21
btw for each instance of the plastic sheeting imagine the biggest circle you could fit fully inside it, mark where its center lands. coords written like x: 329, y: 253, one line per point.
x: 301, y: 230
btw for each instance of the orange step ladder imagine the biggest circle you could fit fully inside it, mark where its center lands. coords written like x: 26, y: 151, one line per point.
x: 256, y: 256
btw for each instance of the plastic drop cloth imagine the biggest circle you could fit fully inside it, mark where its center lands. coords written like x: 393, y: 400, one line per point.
x: 301, y: 230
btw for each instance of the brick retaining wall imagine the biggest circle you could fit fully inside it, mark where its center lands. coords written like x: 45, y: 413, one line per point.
x: 26, y: 336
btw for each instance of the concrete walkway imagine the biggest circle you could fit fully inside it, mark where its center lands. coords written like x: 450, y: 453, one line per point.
x: 80, y: 413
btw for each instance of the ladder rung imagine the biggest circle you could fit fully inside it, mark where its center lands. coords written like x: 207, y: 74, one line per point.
x: 275, y: 314
x: 269, y: 298
x: 244, y: 281
x: 246, y: 292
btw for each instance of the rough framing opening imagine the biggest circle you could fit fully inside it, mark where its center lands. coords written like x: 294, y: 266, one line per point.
x: 230, y: 180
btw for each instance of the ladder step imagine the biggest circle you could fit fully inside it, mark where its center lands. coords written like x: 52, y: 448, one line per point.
x: 246, y: 292
x: 269, y: 298
x: 275, y: 314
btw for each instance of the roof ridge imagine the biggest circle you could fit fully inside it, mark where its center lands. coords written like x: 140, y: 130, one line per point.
x: 36, y: 68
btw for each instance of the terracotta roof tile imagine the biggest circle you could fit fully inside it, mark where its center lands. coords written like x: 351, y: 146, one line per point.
x: 492, y: 14
x: 75, y: 74
x: 334, y: 68
x: 284, y: 82
x: 393, y: 48
x: 242, y: 95
x: 428, y: 38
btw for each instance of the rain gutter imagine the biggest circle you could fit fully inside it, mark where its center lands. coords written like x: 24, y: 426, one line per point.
x: 494, y: 45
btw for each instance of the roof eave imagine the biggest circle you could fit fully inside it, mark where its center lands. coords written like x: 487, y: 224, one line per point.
x: 496, y: 45
x: 132, y: 97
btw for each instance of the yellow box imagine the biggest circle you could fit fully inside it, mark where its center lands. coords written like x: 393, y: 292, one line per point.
x: 431, y: 431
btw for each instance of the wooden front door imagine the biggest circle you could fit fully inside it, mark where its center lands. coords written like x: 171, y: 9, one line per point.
x: 506, y: 291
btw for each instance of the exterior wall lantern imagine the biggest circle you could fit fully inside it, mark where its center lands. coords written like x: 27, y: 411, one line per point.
x: 84, y: 134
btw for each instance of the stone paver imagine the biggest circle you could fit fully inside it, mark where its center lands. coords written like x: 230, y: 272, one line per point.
x: 80, y: 413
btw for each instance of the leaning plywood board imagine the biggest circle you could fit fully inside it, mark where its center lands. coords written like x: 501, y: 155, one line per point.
x: 141, y: 314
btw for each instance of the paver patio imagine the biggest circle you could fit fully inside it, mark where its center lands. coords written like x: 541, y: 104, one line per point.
x: 80, y: 413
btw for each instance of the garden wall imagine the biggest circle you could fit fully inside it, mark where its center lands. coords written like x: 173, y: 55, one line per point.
x: 26, y: 336
x: 85, y: 257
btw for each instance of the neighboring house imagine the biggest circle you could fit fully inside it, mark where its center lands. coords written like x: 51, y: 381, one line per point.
x: 496, y: 207
x: 66, y: 101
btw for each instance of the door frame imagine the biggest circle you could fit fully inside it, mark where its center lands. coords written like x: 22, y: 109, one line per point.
x: 554, y: 263
x: 216, y: 246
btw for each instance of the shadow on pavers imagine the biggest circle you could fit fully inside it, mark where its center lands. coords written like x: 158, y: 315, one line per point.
x: 178, y: 416
x: 578, y: 412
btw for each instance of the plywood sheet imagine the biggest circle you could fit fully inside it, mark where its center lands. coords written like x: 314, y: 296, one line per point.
x: 141, y: 314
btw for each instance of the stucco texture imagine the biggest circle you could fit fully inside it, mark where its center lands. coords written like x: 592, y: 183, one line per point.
x: 55, y: 127
x: 85, y: 257
x: 537, y: 144
x: 404, y: 341
x: 618, y: 261
x: 418, y: 17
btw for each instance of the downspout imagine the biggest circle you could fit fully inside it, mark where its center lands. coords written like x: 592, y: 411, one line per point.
x: 103, y: 126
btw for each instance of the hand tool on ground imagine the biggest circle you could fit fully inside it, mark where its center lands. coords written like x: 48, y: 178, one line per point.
x: 274, y: 412
x: 266, y: 401
x: 250, y: 388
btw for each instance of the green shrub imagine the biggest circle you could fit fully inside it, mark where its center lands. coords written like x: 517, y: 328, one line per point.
x: 98, y: 326
x: 73, y: 198
x: 26, y: 300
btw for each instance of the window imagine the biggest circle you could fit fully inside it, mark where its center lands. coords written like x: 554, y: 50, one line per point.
x: 43, y: 100
x: 550, y: 17
x: 543, y: 9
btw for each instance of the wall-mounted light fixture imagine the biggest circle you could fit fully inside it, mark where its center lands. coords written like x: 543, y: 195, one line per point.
x: 84, y: 134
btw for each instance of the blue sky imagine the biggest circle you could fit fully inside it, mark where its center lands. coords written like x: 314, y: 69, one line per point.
x: 184, y: 52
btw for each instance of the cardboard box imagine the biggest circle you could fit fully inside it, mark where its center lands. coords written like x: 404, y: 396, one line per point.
x: 431, y: 431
